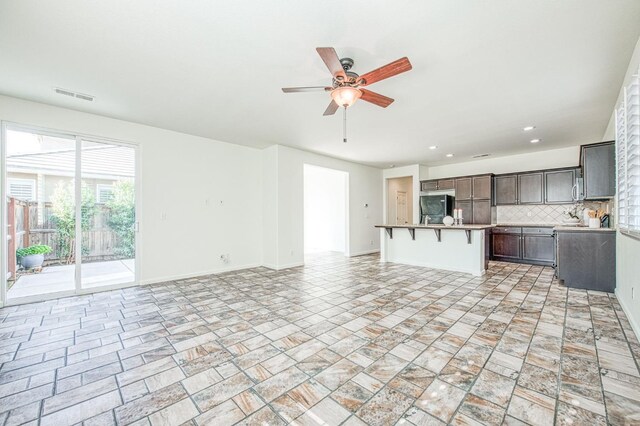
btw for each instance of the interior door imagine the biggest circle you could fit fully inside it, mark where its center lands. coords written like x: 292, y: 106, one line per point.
x: 401, y: 208
x: 108, y: 214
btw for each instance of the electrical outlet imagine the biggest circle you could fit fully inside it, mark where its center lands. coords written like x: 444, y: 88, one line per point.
x: 633, y: 293
x: 529, y: 214
x: 224, y: 258
x: 163, y: 216
x: 370, y: 242
x: 291, y: 252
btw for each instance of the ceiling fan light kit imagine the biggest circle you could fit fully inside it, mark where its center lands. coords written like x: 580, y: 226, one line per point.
x: 347, y: 86
x: 345, y: 95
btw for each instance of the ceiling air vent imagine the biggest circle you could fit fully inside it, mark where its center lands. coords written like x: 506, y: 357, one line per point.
x: 481, y: 155
x: 73, y: 94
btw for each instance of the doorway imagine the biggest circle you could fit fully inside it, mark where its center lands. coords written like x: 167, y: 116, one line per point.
x: 325, y: 211
x: 70, y: 214
x: 400, y: 200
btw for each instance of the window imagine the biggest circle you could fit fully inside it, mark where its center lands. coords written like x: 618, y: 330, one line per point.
x: 628, y: 158
x: 22, y: 189
x: 104, y: 193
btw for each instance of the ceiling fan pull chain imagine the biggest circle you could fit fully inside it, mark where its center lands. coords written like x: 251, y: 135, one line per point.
x: 344, y: 126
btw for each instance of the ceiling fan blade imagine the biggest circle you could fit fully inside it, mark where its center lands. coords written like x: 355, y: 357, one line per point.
x: 389, y: 70
x: 306, y: 89
x: 375, y: 98
x: 332, y: 108
x: 331, y: 60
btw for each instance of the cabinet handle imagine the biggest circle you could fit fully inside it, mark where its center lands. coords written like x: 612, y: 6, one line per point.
x: 574, y: 192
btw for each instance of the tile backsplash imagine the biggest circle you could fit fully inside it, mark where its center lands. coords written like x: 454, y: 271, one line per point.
x: 548, y: 213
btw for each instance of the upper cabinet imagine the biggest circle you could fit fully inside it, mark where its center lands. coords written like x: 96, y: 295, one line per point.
x: 463, y: 189
x: 598, y: 169
x: 560, y: 186
x: 481, y: 187
x: 437, y: 185
x: 506, y: 189
x: 556, y: 186
x: 530, y: 188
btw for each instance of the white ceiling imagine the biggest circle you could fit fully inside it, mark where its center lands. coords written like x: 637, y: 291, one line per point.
x: 481, y: 69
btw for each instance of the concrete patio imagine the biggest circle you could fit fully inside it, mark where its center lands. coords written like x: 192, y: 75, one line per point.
x: 54, y: 279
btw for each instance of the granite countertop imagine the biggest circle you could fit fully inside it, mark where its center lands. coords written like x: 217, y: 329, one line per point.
x: 582, y: 229
x: 438, y: 226
x: 531, y: 225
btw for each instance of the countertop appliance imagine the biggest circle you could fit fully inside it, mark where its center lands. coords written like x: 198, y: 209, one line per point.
x: 436, y: 207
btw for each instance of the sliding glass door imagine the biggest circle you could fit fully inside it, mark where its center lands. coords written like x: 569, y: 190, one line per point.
x: 108, y: 214
x: 69, y: 216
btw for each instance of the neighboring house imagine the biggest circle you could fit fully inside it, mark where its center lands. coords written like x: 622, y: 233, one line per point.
x: 35, y: 176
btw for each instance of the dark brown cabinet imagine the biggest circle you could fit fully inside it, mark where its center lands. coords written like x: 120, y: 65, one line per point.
x: 599, y: 169
x: 587, y: 259
x: 538, y: 245
x: 463, y: 189
x: 467, y: 210
x: 559, y: 186
x: 437, y: 185
x: 523, y: 245
x: 444, y: 184
x: 481, y: 187
x: 481, y: 211
x: 506, y: 245
x: 530, y: 188
x: 506, y: 189
x: 429, y: 185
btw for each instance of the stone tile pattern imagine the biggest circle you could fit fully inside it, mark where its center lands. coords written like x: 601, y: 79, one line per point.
x: 543, y: 214
x: 339, y: 341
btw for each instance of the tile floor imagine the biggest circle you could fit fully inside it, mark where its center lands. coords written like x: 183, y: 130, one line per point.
x: 340, y: 341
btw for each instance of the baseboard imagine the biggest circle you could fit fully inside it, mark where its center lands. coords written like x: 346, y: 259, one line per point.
x: 362, y: 253
x: 198, y: 274
x: 634, y: 324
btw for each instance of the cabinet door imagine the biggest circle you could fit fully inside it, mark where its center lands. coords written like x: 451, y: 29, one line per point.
x: 446, y: 184
x: 463, y: 189
x: 599, y: 171
x: 481, y: 211
x: 467, y: 211
x: 506, y: 245
x: 559, y: 186
x: 428, y: 185
x: 482, y: 188
x: 538, y: 248
x: 506, y: 189
x: 530, y: 188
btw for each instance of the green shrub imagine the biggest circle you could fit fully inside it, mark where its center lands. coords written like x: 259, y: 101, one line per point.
x: 28, y: 251
x: 122, y: 218
x: 64, y: 218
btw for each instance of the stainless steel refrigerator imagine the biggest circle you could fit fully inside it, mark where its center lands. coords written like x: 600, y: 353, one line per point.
x: 436, y: 207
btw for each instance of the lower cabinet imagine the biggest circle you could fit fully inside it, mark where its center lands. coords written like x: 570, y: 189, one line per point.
x: 587, y: 259
x: 523, y: 245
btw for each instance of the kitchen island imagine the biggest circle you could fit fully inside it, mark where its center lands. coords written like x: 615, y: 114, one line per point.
x: 459, y: 248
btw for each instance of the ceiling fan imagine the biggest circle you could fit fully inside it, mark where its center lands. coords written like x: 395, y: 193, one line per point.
x: 347, y: 86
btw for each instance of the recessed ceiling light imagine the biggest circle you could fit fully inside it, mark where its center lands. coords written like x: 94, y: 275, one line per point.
x: 449, y: 155
x: 392, y: 166
x: 535, y: 140
x: 433, y: 147
x: 526, y: 129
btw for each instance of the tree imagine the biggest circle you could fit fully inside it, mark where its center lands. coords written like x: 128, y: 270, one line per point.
x: 122, y: 218
x: 64, y: 217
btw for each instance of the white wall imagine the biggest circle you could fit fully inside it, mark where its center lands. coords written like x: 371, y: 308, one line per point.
x: 364, y: 190
x: 550, y: 159
x: 179, y: 173
x: 325, y: 196
x: 394, y: 185
x: 627, y: 248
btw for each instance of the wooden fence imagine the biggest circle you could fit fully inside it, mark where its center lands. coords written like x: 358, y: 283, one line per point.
x: 27, y: 226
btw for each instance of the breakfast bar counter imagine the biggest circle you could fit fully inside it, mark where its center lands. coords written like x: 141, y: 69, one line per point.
x: 460, y: 248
